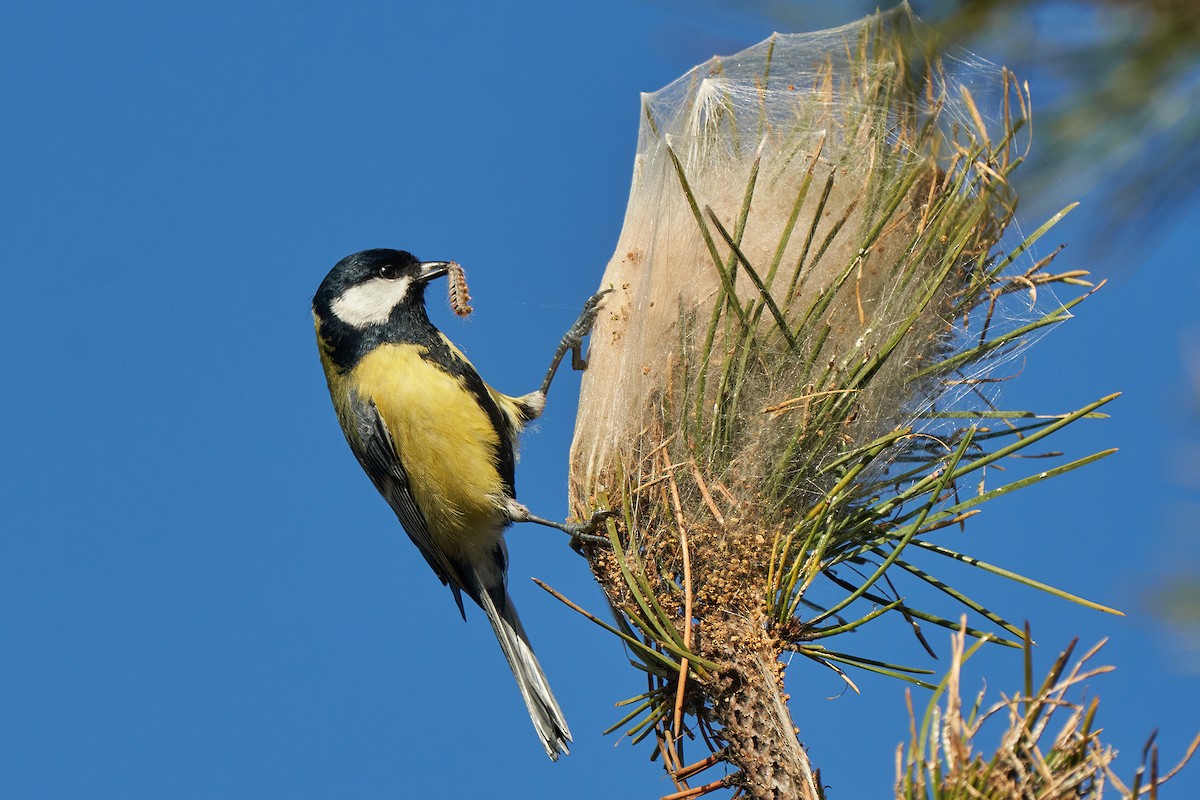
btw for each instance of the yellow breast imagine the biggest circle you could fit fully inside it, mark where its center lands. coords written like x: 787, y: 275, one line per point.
x: 445, y: 440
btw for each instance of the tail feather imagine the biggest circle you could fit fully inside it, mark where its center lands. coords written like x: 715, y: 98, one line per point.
x: 535, y: 690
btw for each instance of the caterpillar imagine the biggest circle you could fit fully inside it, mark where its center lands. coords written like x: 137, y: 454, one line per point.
x: 457, y: 287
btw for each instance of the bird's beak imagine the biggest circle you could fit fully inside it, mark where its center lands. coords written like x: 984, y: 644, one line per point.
x: 432, y: 269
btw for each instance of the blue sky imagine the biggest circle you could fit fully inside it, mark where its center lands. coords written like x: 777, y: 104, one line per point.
x: 202, y: 596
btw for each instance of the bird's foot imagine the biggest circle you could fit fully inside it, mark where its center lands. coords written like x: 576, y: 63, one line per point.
x: 572, y: 340
x: 583, y: 532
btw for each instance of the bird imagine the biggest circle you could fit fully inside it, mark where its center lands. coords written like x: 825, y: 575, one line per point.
x: 438, y: 443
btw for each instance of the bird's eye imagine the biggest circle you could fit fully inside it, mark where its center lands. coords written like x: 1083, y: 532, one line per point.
x: 389, y: 272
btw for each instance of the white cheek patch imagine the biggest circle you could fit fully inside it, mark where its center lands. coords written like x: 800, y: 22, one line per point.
x: 370, y: 303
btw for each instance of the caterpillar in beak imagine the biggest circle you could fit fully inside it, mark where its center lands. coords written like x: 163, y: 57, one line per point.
x: 460, y: 297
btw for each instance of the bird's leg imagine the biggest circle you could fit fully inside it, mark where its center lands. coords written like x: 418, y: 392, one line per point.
x: 578, y: 531
x: 573, y: 339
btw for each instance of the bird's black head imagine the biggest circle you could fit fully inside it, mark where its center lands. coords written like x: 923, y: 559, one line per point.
x: 368, y: 288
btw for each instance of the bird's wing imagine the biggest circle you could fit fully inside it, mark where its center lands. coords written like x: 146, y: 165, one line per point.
x: 376, y: 452
x: 503, y: 413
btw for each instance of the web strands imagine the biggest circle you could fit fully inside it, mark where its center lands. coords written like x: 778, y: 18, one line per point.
x: 856, y: 179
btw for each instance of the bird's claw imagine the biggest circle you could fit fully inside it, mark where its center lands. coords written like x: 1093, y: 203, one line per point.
x: 573, y: 339
x: 584, y: 532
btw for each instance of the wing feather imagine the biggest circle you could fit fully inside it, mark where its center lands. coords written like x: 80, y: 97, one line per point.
x: 376, y: 452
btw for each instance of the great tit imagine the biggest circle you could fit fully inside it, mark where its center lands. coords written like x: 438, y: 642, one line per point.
x: 438, y: 443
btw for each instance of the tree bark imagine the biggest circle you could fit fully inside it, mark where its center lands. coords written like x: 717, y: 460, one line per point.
x: 749, y: 702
